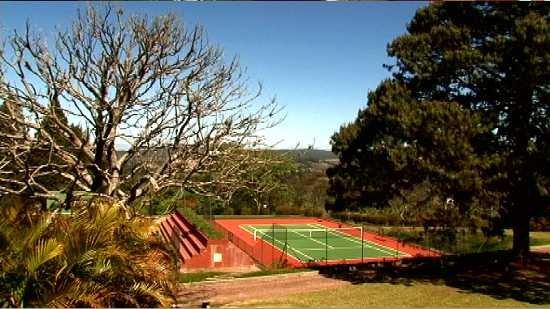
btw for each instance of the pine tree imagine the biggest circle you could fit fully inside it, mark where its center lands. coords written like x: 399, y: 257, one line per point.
x: 481, y: 60
x: 398, y: 144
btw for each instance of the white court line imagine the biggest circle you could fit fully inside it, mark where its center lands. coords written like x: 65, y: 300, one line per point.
x: 366, y: 242
x: 300, y: 252
x: 336, y: 248
x: 298, y: 233
x: 391, y: 250
x: 315, y: 240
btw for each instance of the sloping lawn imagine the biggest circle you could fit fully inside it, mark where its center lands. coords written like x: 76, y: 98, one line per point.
x: 389, y: 295
x: 539, y: 238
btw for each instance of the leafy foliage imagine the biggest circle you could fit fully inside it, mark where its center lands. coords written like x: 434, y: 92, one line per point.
x: 96, y: 257
x: 202, y: 224
x: 418, y: 157
x: 466, y: 117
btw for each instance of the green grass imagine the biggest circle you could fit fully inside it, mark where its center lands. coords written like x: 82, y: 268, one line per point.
x: 306, y: 245
x: 201, y: 223
x: 202, y: 276
x: 198, y: 276
x: 540, y: 238
x: 388, y: 295
x: 269, y: 272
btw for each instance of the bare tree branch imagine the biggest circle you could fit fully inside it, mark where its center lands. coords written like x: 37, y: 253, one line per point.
x: 152, y: 87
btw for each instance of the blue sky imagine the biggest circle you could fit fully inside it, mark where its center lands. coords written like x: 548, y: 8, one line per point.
x: 319, y: 59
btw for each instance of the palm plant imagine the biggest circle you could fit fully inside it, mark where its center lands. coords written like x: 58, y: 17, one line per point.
x: 96, y: 257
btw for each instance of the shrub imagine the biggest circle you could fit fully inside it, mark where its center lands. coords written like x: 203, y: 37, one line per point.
x: 371, y: 215
x: 314, y: 212
x: 201, y: 223
x: 247, y: 211
x: 97, y: 257
x: 288, y: 210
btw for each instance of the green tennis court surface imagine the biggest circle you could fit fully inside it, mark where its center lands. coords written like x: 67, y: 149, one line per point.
x: 315, y: 242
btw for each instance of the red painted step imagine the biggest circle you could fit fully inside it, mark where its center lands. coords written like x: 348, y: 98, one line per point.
x: 187, y: 234
x: 192, y: 233
x: 183, y: 246
x: 192, y: 227
x: 190, y: 241
x: 182, y: 250
x: 181, y: 223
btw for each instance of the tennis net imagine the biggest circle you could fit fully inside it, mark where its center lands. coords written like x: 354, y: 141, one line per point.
x: 281, y: 233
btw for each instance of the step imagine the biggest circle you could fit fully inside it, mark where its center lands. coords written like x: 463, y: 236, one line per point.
x: 188, y: 242
x: 188, y: 245
x: 191, y: 227
x: 164, y: 232
x: 182, y: 250
x: 167, y: 231
x: 184, y: 254
x: 196, y: 242
x: 181, y: 223
x: 190, y: 235
x: 194, y: 234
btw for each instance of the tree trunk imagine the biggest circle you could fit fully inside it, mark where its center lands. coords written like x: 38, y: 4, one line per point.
x: 521, y: 234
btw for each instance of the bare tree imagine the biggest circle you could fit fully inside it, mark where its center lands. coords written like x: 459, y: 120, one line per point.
x: 150, y: 87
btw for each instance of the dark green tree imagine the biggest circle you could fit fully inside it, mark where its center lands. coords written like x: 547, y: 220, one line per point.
x: 399, y: 146
x: 493, y: 61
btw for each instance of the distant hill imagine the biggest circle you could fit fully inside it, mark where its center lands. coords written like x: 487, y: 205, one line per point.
x: 301, y: 155
x: 311, y: 155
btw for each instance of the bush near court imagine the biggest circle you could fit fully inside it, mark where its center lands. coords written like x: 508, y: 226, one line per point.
x: 450, y: 239
x: 385, y: 216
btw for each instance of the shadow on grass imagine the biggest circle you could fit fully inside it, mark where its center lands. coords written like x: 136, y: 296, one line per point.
x: 495, y: 274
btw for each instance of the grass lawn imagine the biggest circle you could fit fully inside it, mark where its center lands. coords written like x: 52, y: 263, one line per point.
x: 269, y: 272
x: 417, y: 294
x: 203, y: 276
x: 540, y: 238
x: 198, y: 276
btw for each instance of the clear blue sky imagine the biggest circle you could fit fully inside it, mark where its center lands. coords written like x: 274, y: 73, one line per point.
x: 319, y: 59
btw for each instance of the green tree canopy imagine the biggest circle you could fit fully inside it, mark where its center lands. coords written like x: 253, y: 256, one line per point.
x: 488, y: 66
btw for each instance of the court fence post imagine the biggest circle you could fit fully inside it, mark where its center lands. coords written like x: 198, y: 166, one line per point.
x: 272, y: 245
x: 286, y: 245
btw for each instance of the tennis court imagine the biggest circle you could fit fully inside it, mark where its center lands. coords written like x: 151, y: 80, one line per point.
x: 312, y: 242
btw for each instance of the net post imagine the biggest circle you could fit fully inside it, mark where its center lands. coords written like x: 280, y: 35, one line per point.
x: 362, y: 245
x: 326, y: 245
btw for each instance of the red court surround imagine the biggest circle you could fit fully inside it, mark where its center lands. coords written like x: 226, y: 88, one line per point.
x: 264, y: 253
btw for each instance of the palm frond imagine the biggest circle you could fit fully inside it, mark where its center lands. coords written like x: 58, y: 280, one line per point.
x: 37, y: 229
x: 45, y: 250
x: 152, y: 290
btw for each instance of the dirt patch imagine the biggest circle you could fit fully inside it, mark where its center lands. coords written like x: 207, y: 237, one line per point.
x: 258, y: 288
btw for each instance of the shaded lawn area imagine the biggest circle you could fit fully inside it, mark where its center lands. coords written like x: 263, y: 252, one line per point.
x: 539, y: 238
x: 487, y: 284
x: 417, y: 294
